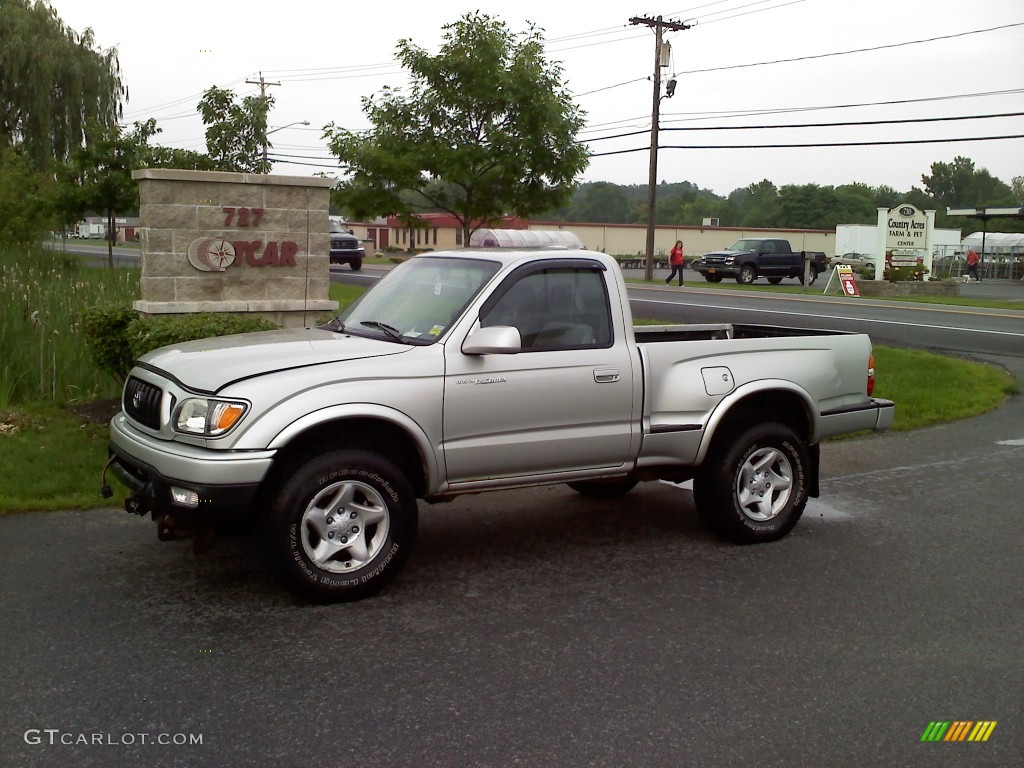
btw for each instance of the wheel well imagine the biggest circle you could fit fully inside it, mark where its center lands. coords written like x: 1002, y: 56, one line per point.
x: 374, y: 435
x: 777, y: 405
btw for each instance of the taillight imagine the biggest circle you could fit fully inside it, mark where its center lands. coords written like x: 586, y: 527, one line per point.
x: 871, y: 374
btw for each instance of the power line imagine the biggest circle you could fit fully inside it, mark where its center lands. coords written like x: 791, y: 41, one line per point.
x: 847, y: 53
x: 811, y: 145
x: 786, y: 110
x: 848, y: 123
x: 753, y: 113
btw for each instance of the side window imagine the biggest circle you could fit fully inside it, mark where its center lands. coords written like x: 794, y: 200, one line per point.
x: 768, y: 247
x: 556, y: 309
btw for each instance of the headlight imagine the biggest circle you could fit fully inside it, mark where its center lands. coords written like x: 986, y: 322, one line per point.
x: 199, y: 416
x: 730, y: 260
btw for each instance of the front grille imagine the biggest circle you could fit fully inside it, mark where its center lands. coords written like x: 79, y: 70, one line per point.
x: 142, y: 402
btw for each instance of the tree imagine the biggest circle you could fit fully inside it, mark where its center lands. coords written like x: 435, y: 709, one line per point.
x: 603, y: 203
x: 757, y: 204
x: 960, y: 185
x: 487, y: 129
x: 54, y: 82
x: 1017, y: 185
x: 98, y: 175
x: 25, y: 195
x: 236, y: 132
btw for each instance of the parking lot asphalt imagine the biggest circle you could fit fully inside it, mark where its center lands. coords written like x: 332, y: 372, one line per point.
x: 539, y: 628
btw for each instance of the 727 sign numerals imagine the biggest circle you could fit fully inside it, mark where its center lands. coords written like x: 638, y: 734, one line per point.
x: 243, y: 217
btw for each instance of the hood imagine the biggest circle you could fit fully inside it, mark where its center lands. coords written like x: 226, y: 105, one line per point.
x: 725, y: 253
x: 209, y: 364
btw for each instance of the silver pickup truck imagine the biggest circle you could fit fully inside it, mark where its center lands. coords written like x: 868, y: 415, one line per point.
x: 475, y: 371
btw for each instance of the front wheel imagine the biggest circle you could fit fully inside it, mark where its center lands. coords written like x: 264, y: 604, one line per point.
x: 747, y: 275
x: 713, y: 278
x: 341, y: 526
x: 774, y: 280
x: 356, y: 264
x: 753, y: 486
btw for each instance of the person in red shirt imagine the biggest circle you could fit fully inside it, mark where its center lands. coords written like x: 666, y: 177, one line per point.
x: 972, y: 264
x: 675, y: 260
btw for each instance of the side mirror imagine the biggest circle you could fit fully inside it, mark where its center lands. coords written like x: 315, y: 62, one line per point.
x: 494, y: 340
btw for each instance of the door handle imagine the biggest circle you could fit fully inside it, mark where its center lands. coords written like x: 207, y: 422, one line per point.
x: 606, y: 375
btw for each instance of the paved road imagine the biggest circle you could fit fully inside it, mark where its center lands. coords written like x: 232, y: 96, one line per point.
x: 538, y: 628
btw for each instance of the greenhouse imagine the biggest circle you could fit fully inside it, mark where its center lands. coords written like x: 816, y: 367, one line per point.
x: 524, y: 238
x: 1002, y: 253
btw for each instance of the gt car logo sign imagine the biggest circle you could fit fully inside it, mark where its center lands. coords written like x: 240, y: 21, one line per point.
x: 217, y: 254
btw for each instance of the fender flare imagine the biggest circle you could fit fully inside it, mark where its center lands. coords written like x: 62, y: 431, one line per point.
x: 431, y: 463
x: 729, y: 402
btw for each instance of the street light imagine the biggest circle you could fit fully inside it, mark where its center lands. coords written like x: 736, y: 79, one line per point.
x: 275, y: 130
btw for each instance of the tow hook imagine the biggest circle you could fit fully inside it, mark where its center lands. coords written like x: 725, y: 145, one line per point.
x: 171, y: 528
x: 135, y: 505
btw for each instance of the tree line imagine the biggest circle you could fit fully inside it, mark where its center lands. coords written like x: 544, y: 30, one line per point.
x: 958, y: 184
x: 486, y: 128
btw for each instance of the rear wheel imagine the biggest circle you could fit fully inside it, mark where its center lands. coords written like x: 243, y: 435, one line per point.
x: 753, y: 485
x: 747, y: 275
x: 341, y: 526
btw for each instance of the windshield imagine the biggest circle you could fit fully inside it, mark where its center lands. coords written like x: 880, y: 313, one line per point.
x: 416, y: 302
x: 745, y: 245
x: 337, y: 226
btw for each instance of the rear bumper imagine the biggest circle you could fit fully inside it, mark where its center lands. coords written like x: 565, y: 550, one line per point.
x: 876, y: 415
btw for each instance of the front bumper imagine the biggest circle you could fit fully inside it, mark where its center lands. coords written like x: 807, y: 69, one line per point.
x: 224, y: 482
x: 347, y: 256
x: 725, y: 270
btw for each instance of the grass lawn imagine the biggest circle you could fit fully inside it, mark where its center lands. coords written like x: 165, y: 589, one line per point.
x: 53, y: 456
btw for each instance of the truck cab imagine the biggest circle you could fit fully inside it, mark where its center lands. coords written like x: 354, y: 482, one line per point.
x: 748, y: 259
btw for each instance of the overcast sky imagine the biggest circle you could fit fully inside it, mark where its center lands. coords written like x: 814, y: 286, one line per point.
x: 934, y: 59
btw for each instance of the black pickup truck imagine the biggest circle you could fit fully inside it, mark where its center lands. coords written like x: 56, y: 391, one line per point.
x: 751, y: 258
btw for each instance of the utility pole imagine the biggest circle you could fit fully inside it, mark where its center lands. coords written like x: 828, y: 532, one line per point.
x: 652, y: 179
x: 263, y: 84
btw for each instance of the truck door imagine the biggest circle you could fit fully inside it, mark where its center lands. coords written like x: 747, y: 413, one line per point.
x: 772, y: 262
x: 564, y: 402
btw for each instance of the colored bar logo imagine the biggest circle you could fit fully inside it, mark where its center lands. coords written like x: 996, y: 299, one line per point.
x: 958, y: 730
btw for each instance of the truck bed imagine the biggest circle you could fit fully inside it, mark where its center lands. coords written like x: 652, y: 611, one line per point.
x: 647, y: 334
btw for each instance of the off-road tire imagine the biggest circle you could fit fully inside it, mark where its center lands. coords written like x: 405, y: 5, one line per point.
x: 753, y: 484
x: 341, y: 526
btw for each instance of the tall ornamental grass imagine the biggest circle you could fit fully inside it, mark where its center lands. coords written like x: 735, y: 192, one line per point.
x: 43, y: 355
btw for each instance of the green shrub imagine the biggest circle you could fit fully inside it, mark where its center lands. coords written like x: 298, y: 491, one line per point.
x: 105, y: 329
x: 43, y: 350
x: 117, y: 336
x: 903, y: 274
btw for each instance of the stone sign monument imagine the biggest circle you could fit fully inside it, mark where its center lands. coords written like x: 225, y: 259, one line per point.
x: 235, y: 242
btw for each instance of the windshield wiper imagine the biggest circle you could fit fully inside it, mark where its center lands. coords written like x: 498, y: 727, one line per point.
x: 394, y: 333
